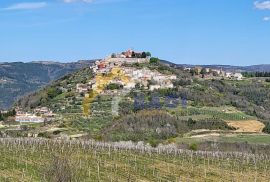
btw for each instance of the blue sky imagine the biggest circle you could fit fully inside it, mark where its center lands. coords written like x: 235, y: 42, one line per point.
x: 235, y: 32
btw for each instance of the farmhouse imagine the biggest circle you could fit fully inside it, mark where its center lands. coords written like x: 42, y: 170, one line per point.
x: 82, y: 88
x: 29, y: 118
x: 238, y: 76
x: 154, y: 87
x: 42, y: 110
x: 130, y: 85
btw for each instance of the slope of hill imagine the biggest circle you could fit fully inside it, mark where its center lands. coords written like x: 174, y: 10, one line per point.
x: 17, y: 79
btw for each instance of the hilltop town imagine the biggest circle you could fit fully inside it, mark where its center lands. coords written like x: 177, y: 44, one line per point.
x: 118, y: 74
x: 123, y: 75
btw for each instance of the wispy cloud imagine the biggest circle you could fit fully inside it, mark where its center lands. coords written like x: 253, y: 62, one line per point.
x: 262, y: 5
x: 74, y: 1
x: 267, y: 18
x: 26, y: 6
x: 91, y: 1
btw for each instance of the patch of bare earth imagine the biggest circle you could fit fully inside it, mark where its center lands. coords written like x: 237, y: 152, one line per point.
x: 247, y: 126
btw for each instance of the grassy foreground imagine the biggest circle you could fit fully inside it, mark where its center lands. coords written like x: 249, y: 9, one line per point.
x: 51, y: 160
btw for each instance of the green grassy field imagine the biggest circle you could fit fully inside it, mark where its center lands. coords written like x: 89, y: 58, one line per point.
x: 222, y: 113
x: 48, y: 160
x: 227, y: 138
x: 253, y: 139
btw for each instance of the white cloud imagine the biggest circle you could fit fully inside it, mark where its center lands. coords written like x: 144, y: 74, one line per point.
x: 26, y: 6
x: 267, y: 18
x: 264, y: 5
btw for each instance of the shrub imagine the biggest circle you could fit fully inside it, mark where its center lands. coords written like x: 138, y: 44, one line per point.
x: 193, y: 146
x: 154, y: 60
x: 153, y: 142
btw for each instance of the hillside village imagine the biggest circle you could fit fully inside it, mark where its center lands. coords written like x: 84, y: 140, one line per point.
x: 116, y: 75
x: 205, y: 73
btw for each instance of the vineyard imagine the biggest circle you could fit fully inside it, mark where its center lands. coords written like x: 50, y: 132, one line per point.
x: 55, y: 160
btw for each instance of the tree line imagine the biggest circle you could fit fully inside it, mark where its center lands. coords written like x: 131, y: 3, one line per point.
x: 4, y: 116
x: 256, y: 74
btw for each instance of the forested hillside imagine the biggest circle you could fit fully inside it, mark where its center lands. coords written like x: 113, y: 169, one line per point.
x: 18, y: 79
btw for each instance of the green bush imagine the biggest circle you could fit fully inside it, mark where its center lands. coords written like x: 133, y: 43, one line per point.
x: 193, y: 147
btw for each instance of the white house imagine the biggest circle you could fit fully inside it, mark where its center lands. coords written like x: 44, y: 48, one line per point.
x: 173, y: 77
x: 238, y: 76
x: 130, y: 85
x: 187, y: 69
x: 228, y: 74
x: 82, y: 88
x: 29, y: 119
x: 154, y: 87
x: 169, y: 85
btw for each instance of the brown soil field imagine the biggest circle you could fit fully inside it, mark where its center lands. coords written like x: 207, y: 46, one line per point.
x: 247, y: 126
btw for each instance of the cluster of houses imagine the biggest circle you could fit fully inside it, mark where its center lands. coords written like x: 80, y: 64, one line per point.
x: 40, y: 115
x: 149, y: 79
x: 236, y: 76
x: 3, y: 112
x: 129, y: 57
x: 127, y: 77
x: 131, y: 54
x: 144, y: 78
x: 208, y: 72
x: 3, y: 80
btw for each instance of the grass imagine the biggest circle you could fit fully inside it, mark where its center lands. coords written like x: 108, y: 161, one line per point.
x: 253, y: 139
x: 227, y: 138
x: 222, y: 113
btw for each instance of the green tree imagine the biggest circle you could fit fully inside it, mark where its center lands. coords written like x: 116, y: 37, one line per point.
x: 154, y: 60
x: 144, y: 55
x: 203, y: 71
x: 113, y: 55
x: 1, y: 116
x: 53, y: 92
x: 114, y: 86
x: 148, y: 54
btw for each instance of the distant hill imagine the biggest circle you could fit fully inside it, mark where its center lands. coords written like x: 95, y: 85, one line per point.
x: 17, y: 79
x: 252, y: 68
